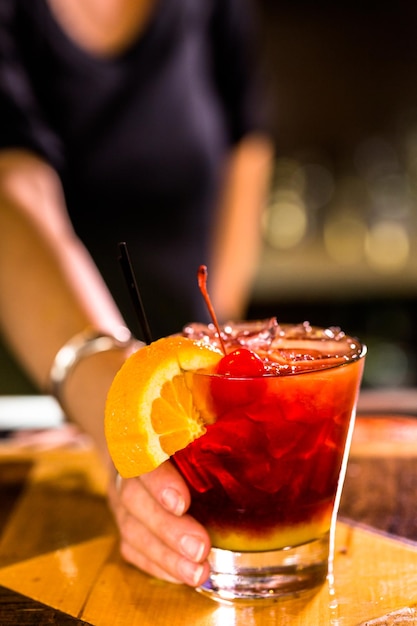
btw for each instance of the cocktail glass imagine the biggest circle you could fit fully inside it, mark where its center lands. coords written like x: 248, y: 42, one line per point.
x: 266, y: 477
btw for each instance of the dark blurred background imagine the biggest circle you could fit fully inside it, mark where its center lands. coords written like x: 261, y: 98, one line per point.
x: 340, y: 235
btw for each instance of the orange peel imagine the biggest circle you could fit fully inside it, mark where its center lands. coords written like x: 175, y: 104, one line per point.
x: 151, y: 411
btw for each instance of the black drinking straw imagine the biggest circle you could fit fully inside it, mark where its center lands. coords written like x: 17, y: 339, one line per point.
x: 134, y: 291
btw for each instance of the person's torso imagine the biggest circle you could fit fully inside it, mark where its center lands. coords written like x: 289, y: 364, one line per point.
x: 145, y: 128
x: 143, y: 135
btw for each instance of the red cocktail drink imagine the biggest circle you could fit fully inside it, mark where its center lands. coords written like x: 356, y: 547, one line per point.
x: 265, y: 476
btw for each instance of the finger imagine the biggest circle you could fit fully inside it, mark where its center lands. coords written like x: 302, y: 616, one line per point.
x: 168, y: 487
x: 159, y: 560
x: 156, y: 540
x: 172, y: 529
x: 182, y: 534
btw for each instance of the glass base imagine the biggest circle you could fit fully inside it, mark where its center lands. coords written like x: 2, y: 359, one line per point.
x: 245, y: 577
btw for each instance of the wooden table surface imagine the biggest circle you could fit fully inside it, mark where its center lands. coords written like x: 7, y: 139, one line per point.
x: 59, y: 561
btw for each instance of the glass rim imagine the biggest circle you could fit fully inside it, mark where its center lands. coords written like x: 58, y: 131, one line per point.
x: 356, y: 358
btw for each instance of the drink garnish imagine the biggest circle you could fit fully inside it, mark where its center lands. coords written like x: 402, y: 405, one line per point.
x: 151, y: 411
x: 239, y: 363
x: 202, y: 283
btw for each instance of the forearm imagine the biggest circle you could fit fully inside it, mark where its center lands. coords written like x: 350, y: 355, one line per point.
x: 50, y: 290
x: 237, y: 231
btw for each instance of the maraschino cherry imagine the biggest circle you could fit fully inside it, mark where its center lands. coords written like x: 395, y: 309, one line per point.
x: 241, y: 362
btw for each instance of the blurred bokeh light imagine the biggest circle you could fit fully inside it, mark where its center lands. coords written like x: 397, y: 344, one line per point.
x: 340, y: 229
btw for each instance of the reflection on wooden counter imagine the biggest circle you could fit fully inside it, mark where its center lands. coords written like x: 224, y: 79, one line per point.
x: 59, y: 558
x: 381, y: 484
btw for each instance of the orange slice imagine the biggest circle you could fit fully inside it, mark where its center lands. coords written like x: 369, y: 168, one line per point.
x: 150, y: 409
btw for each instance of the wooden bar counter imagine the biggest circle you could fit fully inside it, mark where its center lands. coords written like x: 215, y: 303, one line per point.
x: 59, y: 560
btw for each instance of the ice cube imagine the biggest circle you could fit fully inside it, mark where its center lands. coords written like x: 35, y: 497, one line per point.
x: 254, y: 335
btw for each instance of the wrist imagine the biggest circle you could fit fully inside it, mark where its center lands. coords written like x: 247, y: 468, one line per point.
x: 81, y: 375
x: 82, y: 345
x: 85, y: 394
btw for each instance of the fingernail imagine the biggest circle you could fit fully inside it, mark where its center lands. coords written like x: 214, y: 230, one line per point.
x: 191, y: 571
x: 192, y: 547
x: 173, y: 501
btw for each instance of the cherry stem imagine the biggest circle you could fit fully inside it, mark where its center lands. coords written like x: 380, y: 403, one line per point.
x: 202, y: 283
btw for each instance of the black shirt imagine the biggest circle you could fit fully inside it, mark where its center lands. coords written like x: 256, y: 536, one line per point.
x: 138, y: 139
